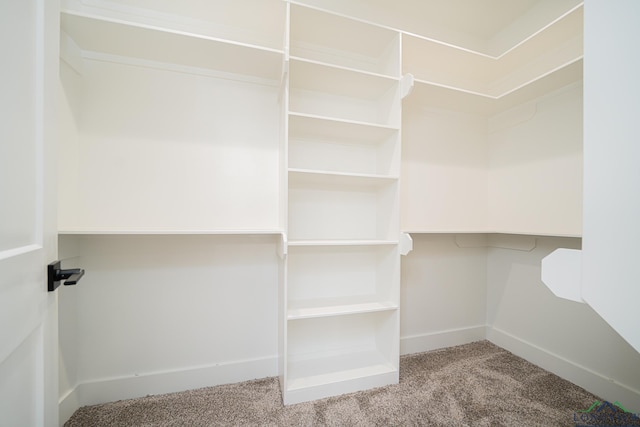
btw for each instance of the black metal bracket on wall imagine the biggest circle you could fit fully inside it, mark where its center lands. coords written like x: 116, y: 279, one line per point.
x: 56, y: 275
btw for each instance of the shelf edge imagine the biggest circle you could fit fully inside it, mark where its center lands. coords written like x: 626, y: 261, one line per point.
x: 166, y: 232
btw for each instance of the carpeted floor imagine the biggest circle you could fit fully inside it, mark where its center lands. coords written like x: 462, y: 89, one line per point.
x: 477, y: 384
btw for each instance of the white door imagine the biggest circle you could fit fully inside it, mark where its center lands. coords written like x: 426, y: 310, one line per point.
x: 28, y: 242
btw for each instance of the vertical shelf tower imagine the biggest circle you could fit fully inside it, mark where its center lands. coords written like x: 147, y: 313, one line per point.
x: 341, y: 287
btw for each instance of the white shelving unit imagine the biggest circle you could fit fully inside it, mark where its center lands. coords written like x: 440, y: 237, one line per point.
x: 172, y: 126
x: 466, y: 121
x: 272, y: 117
x: 343, y: 94
x: 226, y: 21
x: 144, y: 42
x: 550, y: 48
x: 339, y: 207
x: 329, y: 279
x: 341, y: 293
x: 467, y: 111
x: 341, y: 353
x: 343, y: 42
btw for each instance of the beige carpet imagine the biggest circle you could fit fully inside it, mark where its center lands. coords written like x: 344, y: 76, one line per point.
x: 477, y: 384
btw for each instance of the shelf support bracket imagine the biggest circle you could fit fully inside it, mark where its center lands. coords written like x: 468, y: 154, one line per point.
x: 282, y: 246
x: 284, y: 80
x: 406, y: 84
x: 562, y: 273
x: 406, y: 243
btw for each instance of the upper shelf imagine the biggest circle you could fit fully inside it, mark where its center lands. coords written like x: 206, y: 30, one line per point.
x: 471, y: 52
x: 144, y: 42
x: 444, y: 97
x: 323, y: 179
x: 558, y: 44
x: 304, y: 126
x: 340, y: 41
x: 490, y: 29
x: 343, y: 94
x: 338, y: 146
x: 336, y: 307
x: 221, y: 19
x: 162, y: 231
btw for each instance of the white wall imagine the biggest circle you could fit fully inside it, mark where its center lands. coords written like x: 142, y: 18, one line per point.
x: 444, y: 170
x: 162, y: 313
x: 156, y: 313
x: 69, y: 112
x: 461, y: 288
x: 565, y: 337
x: 443, y: 292
x: 611, y: 277
x: 68, y: 97
x: 165, y: 148
x: 530, y: 147
x: 68, y: 333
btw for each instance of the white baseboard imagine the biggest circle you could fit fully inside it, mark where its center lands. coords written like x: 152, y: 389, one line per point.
x: 112, y: 389
x: 441, y: 339
x: 68, y: 404
x: 604, y: 387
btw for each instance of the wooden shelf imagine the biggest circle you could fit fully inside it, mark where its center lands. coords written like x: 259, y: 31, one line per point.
x: 143, y: 42
x: 123, y: 231
x: 342, y: 147
x: 342, y: 242
x: 339, y: 349
x: 349, y: 43
x: 332, y: 181
x: 330, y: 128
x: 309, y: 177
x: 221, y: 19
x: 545, y: 51
x: 336, y: 307
x: 433, y: 95
x: 337, y: 280
x: 321, y: 77
x: 343, y: 94
x: 508, y: 232
x: 339, y: 209
x: 331, y: 370
x: 374, y: 128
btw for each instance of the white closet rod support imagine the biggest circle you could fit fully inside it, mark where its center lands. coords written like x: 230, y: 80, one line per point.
x: 283, y: 245
x: 406, y: 83
x: 406, y: 243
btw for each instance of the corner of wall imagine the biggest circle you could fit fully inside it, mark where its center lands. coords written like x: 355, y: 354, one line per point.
x: 67, y: 405
x: 596, y: 383
x: 441, y: 339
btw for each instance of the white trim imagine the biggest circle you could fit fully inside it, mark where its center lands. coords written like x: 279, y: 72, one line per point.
x: 477, y: 52
x: 596, y: 383
x: 67, y: 405
x: 164, y: 29
x: 441, y: 339
x: 163, y: 231
x: 10, y: 253
x: 113, y: 389
x: 178, y: 68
